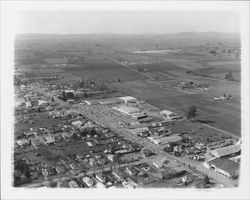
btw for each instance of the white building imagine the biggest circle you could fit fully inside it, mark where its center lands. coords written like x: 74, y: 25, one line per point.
x: 128, y: 99
x: 28, y: 104
x: 88, y: 181
x: 165, y: 140
x: 223, y: 166
x: 42, y: 102
x: 168, y: 114
x: 229, y: 150
x: 127, y: 110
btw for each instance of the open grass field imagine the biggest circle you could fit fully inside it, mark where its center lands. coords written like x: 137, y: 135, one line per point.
x: 107, y: 72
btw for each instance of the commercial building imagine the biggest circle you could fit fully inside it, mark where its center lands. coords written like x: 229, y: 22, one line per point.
x: 223, y: 166
x: 128, y: 99
x: 42, y: 102
x: 226, y: 151
x: 165, y: 140
x: 140, y: 115
x: 127, y: 110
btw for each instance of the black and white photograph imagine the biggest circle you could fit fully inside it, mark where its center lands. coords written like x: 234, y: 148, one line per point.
x: 118, y: 98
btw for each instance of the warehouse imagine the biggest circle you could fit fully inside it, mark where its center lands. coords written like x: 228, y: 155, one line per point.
x: 128, y: 99
x: 127, y: 110
x: 165, y: 140
x: 226, y: 151
x: 223, y: 166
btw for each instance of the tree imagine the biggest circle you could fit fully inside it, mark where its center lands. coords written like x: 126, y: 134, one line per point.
x: 192, y: 112
x: 229, y: 75
x: 206, y: 180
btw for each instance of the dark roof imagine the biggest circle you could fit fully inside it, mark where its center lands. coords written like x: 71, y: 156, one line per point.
x: 225, y: 164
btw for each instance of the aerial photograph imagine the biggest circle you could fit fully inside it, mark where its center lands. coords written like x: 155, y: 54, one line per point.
x: 128, y: 99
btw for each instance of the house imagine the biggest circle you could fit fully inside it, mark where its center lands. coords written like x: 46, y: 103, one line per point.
x: 91, y: 102
x: 129, y: 183
x: 223, y: 166
x: 128, y: 110
x: 73, y: 166
x: 101, y: 161
x: 139, y: 115
x: 140, y: 130
x: 60, y: 169
x: 226, y: 151
x: 89, y: 144
x: 165, y: 140
x: 130, y: 170
x: 111, y: 157
x: 166, y: 113
x: 118, y: 175
x: 42, y: 102
x: 93, y: 162
x: 100, y: 177
x: 100, y: 185
x: 47, y: 140
x: 88, y: 181
x: 76, y: 123
x: 62, y: 184
x: 22, y: 142
x: 73, y: 184
x: 158, y: 164
x: 19, y: 101
x: 35, y: 142
x: 28, y: 104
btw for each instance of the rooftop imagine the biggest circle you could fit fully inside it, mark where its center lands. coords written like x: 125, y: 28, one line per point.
x: 226, y: 150
x: 127, y: 110
x: 225, y: 164
x: 128, y: 98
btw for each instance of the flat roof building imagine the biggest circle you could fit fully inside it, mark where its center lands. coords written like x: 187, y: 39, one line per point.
x: 165, y: 140
x: 223, y: 166
x: 128, y: 99
x: 127, y: 110
x: 225, y: 151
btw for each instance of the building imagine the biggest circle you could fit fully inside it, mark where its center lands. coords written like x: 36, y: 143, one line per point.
x: 223, y: 166
x: 100, y: 185
x: 128, y: 99
x: 100, y: 177
x: 76, y: 123
x: 167, y: 114
x: 22, y: 142
x: 118, y: 175
x: 140, y: 130
x: 19, y: 101
x: 110, y: 101
x: 60, y: 169
x: 158, y: 164
x: 165, y: 140
x: 127, y: 110
x: 91, y: 102
x: 139, y: 115
x: 226, y: 151
x: 42, y: 102
x: 73, y: 184
x: 88, y: 181
x: 28, y: 104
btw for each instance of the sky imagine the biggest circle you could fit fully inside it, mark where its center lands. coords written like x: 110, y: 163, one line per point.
x: 125, y: 22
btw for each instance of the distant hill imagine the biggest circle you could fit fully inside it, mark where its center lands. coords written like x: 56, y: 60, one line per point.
x: 183, y: 35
